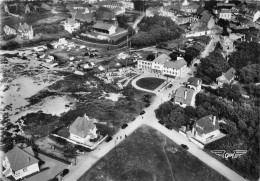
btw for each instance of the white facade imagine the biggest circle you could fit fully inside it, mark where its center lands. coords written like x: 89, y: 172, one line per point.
x: 19, y: 173
x: 206, y: 137
x: 174, y: 72
x: 198, y: 33
x: 71, y: 27
x: 157, y: 66
x: 86, y: 139
x: 144, y: 64
x: 225, y: 15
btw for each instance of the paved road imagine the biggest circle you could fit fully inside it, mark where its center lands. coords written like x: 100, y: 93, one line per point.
x: 87, y: 161
x: 211, y: 46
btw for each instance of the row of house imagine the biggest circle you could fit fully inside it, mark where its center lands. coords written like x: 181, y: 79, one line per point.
x: 24, y: 31
x: 181, y: 13
x: 164, y: 66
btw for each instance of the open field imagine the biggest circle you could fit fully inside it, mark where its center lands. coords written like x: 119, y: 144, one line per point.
x: 148, y: 155
x: 149, y: 83
x: 52, y: 19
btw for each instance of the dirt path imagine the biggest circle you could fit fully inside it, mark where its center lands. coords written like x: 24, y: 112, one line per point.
x: 168, y: 161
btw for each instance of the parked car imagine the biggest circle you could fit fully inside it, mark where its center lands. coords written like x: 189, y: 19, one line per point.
x: 109, y: 139
x: 142, y: 112
x: 170, y: 85
x: 161, y: 122
x: 147, y: 96
x: 184, y: 146
x: 168, y: 127
x: 147, y: 104
x: 172, y: 99
x: 80, y: 152
x: 124, y: 126
x: 64, y: 172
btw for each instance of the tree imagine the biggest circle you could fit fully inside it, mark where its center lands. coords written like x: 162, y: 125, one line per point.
x: 212, y: 67
x: 250, y: 74
x: 173, y: 56
x: 150, y: 57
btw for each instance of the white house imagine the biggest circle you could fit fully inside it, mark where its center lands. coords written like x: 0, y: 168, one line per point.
x: 83, y: 129
x: 206, y: 129
x: 185, y: 97
x: 9, y: 31
x: 71, y: 25
x: 194, y: 83
x: 158, y: 63
x: 20, y: 163
x: 144, y: 65
x: 25, y: 31
x: 225, y: 14
x: 226, y: 77
x: 104, y: 28
x: 174, y: 68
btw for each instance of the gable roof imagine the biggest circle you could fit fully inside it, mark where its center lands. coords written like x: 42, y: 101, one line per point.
x: 205, y: 16
x: 194, y: 81
x: 178, y: 64
x: 205, y: 125
x: 230, y: 73
x: 180, y: 95
x: 103, y: 26
x: 82, y: 126
x: 88, y: 17
x: 23, y: 28
x: 161, y: 59
x: 20, y: 159
x: 225, y: 11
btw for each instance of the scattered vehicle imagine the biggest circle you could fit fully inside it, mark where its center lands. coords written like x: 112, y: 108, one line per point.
x: 161, y: 122
x: 142, y: 112
x: 147, y: 105
x: 168, y: 127
x: 124, y: 126
x: 80, y: 152
x: 147, y: 96
x: 170, y: 85
x: 109, y: 139
x: 184, y: 146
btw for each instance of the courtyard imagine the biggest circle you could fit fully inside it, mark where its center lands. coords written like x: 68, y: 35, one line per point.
x: 150, y: 83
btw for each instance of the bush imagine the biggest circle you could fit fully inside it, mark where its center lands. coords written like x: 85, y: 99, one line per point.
x: 8, y: 37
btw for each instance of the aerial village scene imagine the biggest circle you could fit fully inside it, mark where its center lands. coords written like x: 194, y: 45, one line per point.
x: 130, y: 90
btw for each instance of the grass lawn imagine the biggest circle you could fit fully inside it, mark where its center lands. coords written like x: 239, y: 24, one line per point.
x: 149, y: 83
x: 143, y: 156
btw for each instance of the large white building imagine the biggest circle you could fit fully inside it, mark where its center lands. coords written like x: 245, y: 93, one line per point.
x: 20, y: 163
x: 164, y: 66
x: 82, y: 130
x: 70, y: 25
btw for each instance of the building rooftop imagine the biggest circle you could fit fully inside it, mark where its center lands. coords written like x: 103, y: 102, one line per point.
x: 82, y: 126
x: 161, y: 59
x: 225, y: 11
x: 178, y: 64
x: 20, y: 158
x: 230, y: 73
x: 205, y: 125
x: 103, y: 26
x: 180, y: 95
x: 194, y: 81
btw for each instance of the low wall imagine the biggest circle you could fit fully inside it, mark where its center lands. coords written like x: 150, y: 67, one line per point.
x: 86, y: 146
x: 197, y: 142
x: 182, y: 133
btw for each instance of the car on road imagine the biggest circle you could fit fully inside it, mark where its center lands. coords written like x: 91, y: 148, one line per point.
x: 142, y: 112
x: 124, y: 126
x: 170, y: 85
x: 184, y: 146
x: 168, y: 127
x: 161, y: 122
x: 109, y: 139
x: 147, y: 104
x: 80, y: 152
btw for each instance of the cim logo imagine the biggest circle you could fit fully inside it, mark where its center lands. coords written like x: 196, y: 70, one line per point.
x: 226, y: 155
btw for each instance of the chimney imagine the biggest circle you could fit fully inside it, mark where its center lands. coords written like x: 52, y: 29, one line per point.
x: 214, y: 120
x: 185, y: 94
